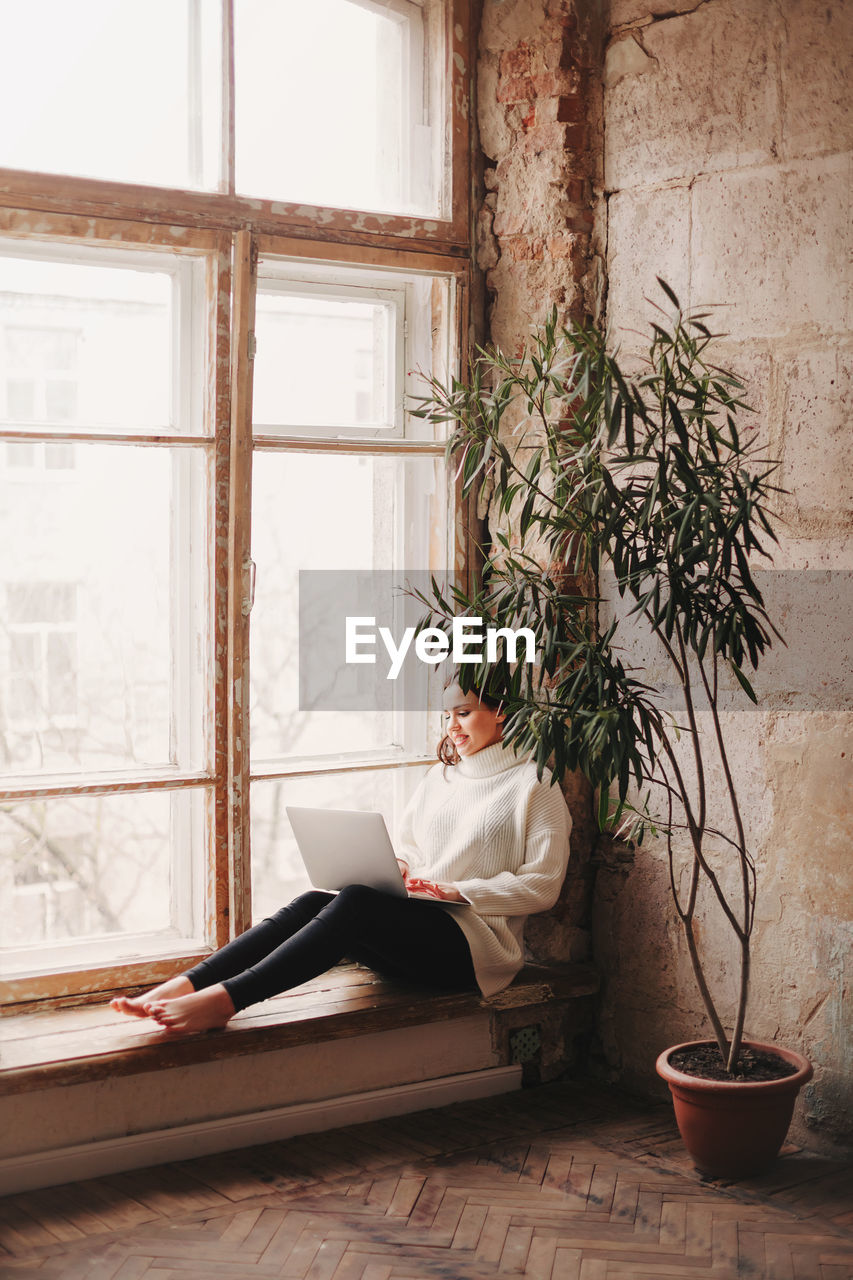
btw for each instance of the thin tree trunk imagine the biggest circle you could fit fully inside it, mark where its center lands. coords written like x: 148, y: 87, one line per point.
x: 707, y: 998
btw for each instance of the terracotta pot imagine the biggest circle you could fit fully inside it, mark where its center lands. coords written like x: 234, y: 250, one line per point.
x: 734, y: 1129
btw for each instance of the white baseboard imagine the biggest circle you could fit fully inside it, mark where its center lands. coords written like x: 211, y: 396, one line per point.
x: 135, y: 1151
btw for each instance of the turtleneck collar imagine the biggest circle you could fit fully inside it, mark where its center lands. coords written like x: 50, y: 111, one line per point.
x: 493, y: 759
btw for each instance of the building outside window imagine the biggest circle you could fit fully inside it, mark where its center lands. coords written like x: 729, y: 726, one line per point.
x: 217, y: 362
x: 40, y: 368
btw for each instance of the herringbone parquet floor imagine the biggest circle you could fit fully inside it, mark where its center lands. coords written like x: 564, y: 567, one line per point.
x: 564, y: 1182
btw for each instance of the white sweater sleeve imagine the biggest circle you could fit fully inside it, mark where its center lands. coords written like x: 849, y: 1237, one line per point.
x: 536, y: 885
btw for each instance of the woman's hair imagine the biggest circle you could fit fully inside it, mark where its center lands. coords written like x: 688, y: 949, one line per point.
x: 445, y: 750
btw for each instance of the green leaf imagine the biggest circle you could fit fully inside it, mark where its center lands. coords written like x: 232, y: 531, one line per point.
x: 668, y: 291
x: 744, y: 683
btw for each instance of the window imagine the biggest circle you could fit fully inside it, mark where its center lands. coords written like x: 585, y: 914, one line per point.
x: 361, y: 81
x: 224, y: 409
x: 244, y: 96
x: 106, y: 645
x: 158, y: 66
x: 333, y: 347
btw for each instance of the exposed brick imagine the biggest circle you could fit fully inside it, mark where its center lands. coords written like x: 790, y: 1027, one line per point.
x: 548, y: 137
x: 560, y: 246
x: 552, y: 84
x: 552, y: 54
x: 525, y: 249
x: 571, y: 109
x: 515, y: 62
x: 572, y: 53
x: 577, y: 137
x: 580, y: 221
x: 542, y: 96
x: 518, y: 89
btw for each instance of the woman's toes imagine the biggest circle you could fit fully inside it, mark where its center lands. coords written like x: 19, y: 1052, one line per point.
x: 122, y: 1004
x: 131, y: 1005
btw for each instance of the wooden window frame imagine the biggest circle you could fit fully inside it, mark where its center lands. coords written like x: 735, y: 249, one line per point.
x: 93, y: 197
x: 231, y: 233
x: 245, y: 443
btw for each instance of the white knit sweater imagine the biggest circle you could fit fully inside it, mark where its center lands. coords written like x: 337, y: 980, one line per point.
x: 488, y: 826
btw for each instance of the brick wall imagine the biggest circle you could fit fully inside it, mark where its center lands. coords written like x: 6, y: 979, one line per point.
x: 538, y: 118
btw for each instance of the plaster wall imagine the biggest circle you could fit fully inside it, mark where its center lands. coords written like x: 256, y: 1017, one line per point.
x: 709, y: 142
x: 727, y: 166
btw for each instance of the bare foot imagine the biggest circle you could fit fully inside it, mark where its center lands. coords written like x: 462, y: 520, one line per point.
x: 135, y: 1006
x: 200, y: 1011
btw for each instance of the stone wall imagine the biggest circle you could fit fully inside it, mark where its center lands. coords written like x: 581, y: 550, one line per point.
x: 727, y: 161
x: 717, y: 155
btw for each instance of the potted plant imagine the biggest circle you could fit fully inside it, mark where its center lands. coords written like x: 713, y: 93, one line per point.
x: 651, y: 479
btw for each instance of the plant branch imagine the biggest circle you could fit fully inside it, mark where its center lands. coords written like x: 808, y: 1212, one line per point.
x: 694, y: 734
x: 649, y: 475
x: 706, y: 868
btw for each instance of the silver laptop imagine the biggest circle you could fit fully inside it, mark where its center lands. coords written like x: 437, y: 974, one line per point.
x: 348, y: 846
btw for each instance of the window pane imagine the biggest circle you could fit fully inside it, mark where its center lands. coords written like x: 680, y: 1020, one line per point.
x: 316, y: 511
x: 93, y: 342
x: 35, y: 348
x: 24, y: 664
x: 104, y: 562
x: 127, y: 91
x: 277, y: 871
x: 19, y: 454
x: 61, y: 673
x: 41, y: 602
x: 323, y: 362
x: 60, y: 401
x: 83, y: 877
x: 20, y: 399
x: 59, y: 457
x: 342, y: 350
x: 332, y: 104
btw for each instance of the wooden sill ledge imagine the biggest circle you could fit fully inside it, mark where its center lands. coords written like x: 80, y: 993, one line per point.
x: 91, y: 1042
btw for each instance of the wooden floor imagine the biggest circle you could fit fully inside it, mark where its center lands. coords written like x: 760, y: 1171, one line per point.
x: 567, y: 1181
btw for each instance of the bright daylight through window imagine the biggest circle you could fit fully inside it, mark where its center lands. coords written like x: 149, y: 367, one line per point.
x: 366, y: 76
x: 227, y: 259
x: 104, y: 644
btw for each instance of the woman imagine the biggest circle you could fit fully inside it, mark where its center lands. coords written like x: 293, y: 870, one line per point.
x: 481, y: 832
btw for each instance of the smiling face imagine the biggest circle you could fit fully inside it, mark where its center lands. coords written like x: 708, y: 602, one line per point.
x: 470, y: 724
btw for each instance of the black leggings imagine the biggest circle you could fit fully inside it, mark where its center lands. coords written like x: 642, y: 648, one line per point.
x: 403, y: 938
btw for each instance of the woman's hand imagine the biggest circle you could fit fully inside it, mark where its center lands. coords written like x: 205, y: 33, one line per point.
x: 431, y: 889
